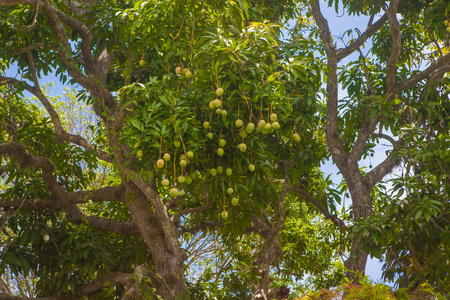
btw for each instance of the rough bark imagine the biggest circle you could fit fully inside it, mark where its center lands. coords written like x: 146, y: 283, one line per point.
x: 162, y: 243
x: 362, y: 208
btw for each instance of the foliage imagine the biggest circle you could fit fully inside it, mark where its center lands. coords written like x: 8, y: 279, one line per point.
x: 188, y: 160
x: 366, y: 289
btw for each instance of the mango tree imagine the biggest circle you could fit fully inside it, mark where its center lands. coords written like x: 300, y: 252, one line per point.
x: 395, y: 83
x: 201, y: 113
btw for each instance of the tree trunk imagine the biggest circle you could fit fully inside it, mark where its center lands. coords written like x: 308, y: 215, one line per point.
x: 362, y: 208
x: 168, y: 258
x: 356, y: 263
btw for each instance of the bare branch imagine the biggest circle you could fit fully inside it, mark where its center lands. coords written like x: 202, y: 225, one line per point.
x: 370, y: 30
x: 338, y: 222
x: 386, y: 137
x: 4, y: 287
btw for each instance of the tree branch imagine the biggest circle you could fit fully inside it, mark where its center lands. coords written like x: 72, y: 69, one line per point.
x: 366, y: 73
x: 16, y: 2
x: 123, y: 228
x: 173, y: 202
x: 436, y: 69
x: 207, y: 205
x: 26, y: 160
x: 60, y: 133
x: 260, y: 227
x: 110, y: 193
x: 370, y: 30
x: 2, y: 169
x: 332, y: 129
x: 99, y: 283
x: 284, y: 191
x: 86, y: 37
x: 396, y: 37
x: 385, y: 136
x: 25, y: 49
x: 369, y: 126
x: 338, y: 222
x: 384, y: 168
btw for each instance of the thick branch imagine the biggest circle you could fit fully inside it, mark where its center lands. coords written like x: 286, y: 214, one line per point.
x: 386, y: 137
x: 83, y: 31
x: 99, y: 283
x: 436, y: 69
x: 342, y: 53
x: 369, y: 126
x: 332, y: 130
x: 67, y: 198
x: 155, y: 199
x: 339, y: 223
x: 384, y: 168
x: 26, y: 160
x: 123, y: 228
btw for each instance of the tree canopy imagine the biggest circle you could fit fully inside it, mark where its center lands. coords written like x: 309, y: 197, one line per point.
x: 186, y: 161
